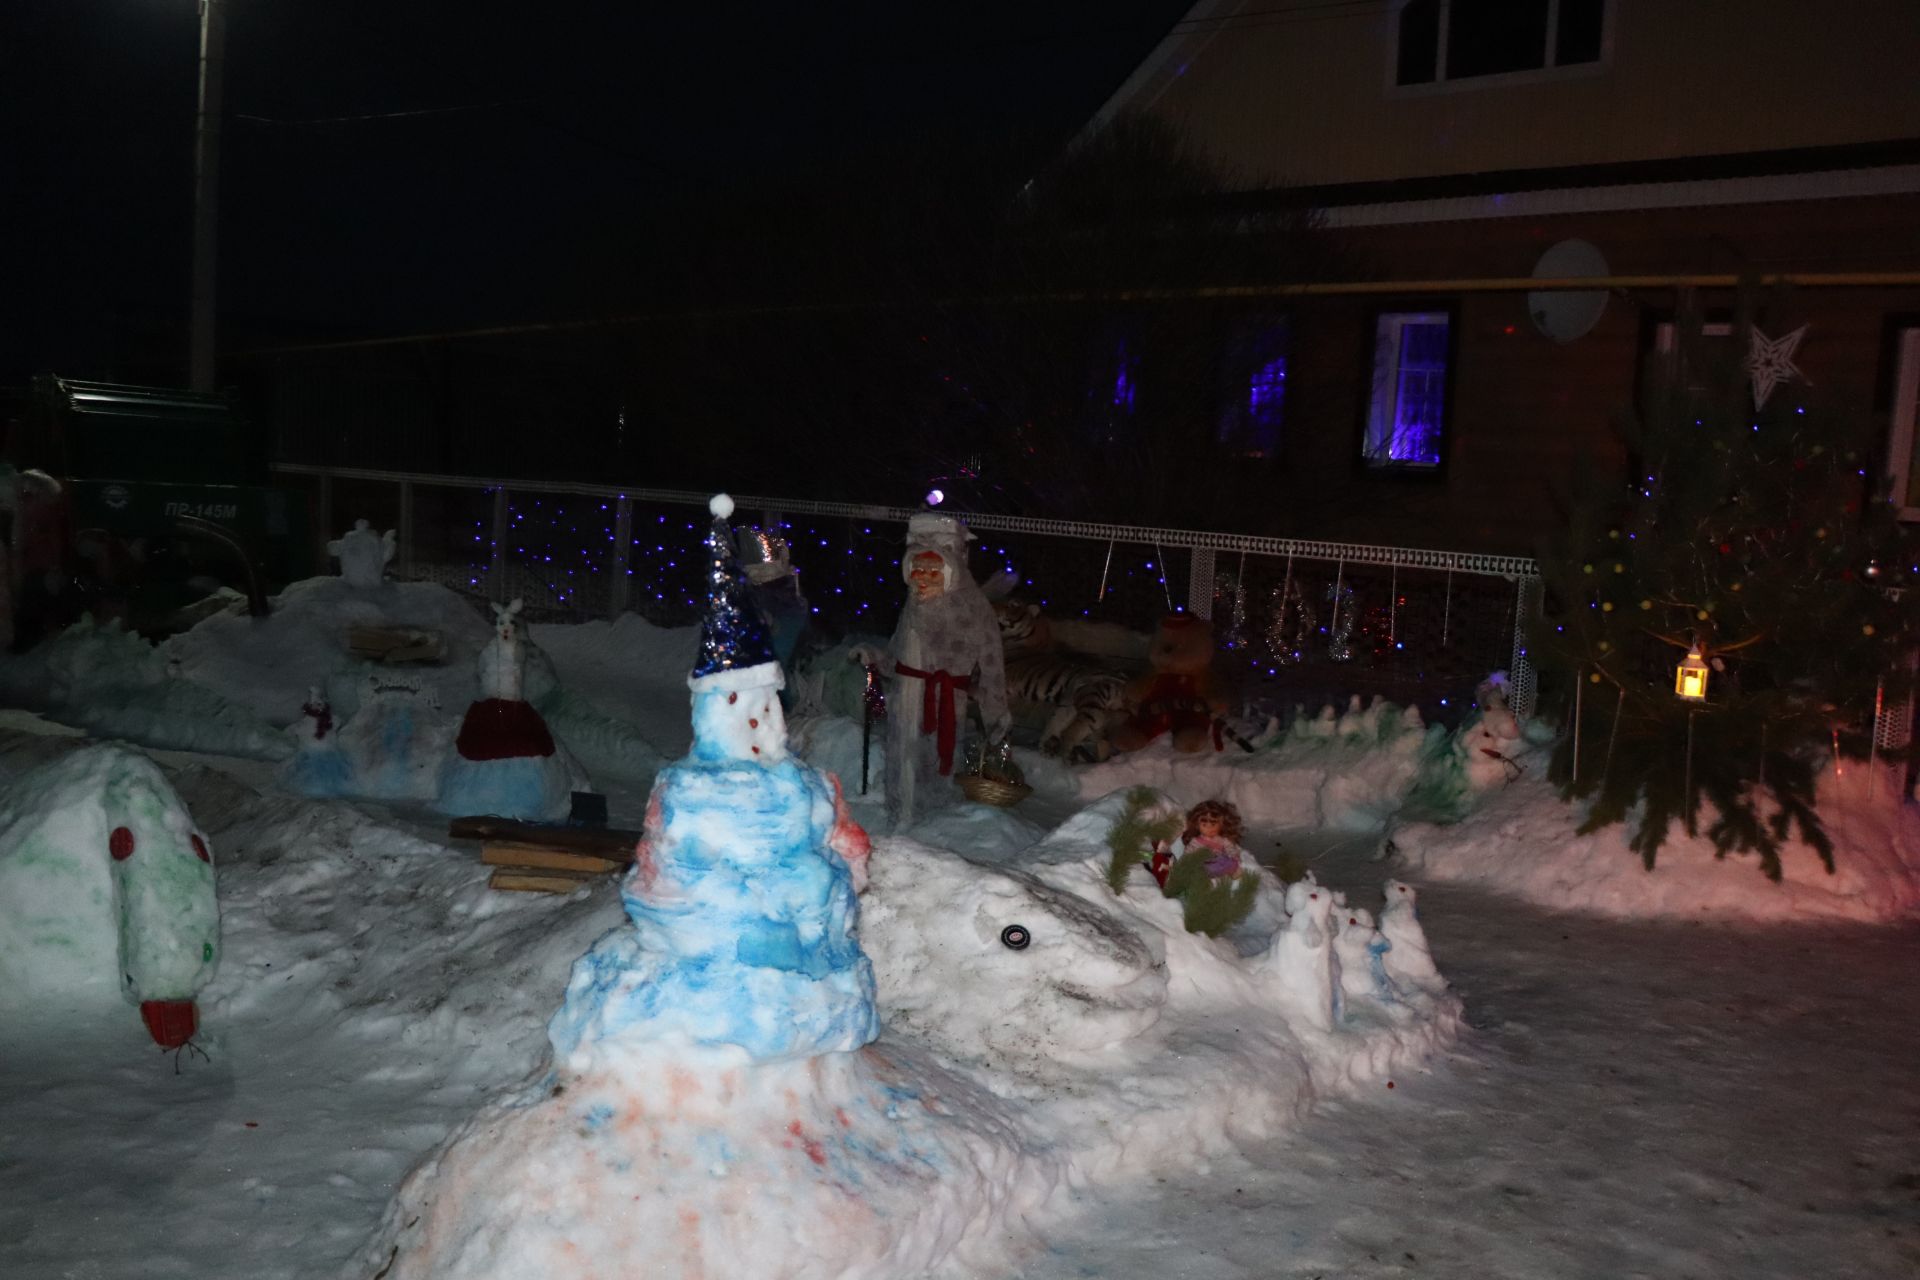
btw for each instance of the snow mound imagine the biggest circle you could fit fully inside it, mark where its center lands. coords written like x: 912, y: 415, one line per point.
x: 269, y: 663
x: 1348, y: 771
x: 115, y: 685
x: 858, y: 1166
x: 1521, y: 841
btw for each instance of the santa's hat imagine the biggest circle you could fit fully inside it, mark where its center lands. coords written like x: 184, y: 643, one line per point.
x: 936, y: 531
x: 735, y: 652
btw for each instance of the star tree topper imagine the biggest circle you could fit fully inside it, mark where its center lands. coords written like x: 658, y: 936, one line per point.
x: 1770, y: 362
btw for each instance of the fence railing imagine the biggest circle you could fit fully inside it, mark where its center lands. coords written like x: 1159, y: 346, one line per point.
x: 1422, y: 626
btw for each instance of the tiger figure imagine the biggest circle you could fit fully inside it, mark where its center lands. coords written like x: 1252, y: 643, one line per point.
x: 1081, y: 696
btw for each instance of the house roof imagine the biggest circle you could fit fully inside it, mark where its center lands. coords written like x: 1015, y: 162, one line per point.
x: 1890, y: 167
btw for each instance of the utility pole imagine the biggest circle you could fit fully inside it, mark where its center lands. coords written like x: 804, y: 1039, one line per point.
x: 206, y: 197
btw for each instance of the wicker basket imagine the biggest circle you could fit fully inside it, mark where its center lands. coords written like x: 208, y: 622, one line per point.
x: 984, y: 790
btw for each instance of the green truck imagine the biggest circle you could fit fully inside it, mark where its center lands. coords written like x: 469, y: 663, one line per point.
x: 164, y: 490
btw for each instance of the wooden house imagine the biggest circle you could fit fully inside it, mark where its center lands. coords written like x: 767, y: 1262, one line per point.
x: 1456, y: 149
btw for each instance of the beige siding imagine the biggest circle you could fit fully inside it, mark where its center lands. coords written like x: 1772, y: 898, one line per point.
x: 1298, y: 91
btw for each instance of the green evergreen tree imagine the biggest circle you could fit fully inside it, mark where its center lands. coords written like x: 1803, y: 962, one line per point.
x: 1761, y: 537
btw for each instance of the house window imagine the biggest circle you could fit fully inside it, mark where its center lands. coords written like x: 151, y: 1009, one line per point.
x: 1903, y: 438
x: 1406, y: 413
x: 1255, y: 396
x: 1714, y: 334
x: 1441, y: 40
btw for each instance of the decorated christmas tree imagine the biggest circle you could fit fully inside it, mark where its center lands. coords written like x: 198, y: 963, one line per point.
x: 1734, y: 620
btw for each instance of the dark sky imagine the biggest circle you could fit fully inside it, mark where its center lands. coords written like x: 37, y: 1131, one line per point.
x: 396, y: 164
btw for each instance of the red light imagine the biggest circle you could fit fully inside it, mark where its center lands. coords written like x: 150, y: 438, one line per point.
x: 1509, y: 330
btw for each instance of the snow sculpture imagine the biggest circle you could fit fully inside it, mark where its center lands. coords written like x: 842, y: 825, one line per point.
x: 1304, y: 959
x: 318, y: 767
x: 504, y: 761
x: 946, y: 647
x: 1362, y: 950
x: 1408, y: 960
x: 1490, y: 744
x: 105, y: 886
x: 363, y: 554
x: 711, y: 1111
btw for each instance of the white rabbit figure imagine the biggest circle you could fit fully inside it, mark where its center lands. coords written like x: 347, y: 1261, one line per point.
x: 363, y: 554
x: 1303, y: 956
x: 503, y: 660
x: 1409, y: 961
x: 1362, y: 951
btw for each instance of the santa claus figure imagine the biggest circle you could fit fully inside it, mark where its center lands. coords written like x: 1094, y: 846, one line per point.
x: 945, y: 651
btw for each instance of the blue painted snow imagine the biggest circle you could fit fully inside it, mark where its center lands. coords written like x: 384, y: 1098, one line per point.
x: 535, y: 787
x: 743, y: 925
x: 320, y: 772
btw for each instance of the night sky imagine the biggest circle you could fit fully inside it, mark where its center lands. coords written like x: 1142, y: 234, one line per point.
x: 395, y: 165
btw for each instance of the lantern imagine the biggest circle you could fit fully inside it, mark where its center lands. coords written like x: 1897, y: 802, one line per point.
x: 1690, y: 681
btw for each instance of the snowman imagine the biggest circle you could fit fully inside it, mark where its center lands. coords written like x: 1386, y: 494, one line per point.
x: 1304, y: 959
x: 106, y: 895
x: 363, y: 554
x: 1490, y: 744
x: 716, y: 1104
x: 504, y: 760
x: 319, y: 767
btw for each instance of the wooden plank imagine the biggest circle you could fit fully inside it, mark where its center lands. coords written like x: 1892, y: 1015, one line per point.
x: 605, y: 842
x: 520, y: 855
x: 517, y: 881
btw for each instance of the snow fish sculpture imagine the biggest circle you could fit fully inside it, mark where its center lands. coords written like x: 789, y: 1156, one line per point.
x: 504, y: 761
x: 105, y: 886
x: 711, y: 1110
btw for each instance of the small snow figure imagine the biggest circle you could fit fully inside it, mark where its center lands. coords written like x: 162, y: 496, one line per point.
x: 946, y: 648
x: 319, y: 767
x: 1303, y: 957
x: 363, y: 554
x: 504, y: 762
x: 1489, y: 744
x: 105, y: 888
x: 1362, y: 952
x: 1409, y: 961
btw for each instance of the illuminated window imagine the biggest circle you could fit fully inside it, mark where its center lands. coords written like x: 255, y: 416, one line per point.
x: 1406, y: 413
x: 1444, y: 40
x: 1254, y: 399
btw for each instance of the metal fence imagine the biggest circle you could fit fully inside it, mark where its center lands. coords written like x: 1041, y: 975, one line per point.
x: 1299, y: 623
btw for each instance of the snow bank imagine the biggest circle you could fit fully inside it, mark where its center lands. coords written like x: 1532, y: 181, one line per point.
x: 115, y: 685
x: 1521, y: 840
x: 269, y: 663
x: 1348, y: 771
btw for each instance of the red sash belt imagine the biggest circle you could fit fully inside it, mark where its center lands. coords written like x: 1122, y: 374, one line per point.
x: 938, y: 716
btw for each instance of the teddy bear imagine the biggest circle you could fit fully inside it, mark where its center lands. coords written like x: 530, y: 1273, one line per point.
x: 1178, y: 696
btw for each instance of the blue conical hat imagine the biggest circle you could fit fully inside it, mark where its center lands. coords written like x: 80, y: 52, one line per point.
x: 735, y: 651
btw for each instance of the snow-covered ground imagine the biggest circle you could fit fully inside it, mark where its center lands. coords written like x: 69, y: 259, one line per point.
x: 1631, y: 1096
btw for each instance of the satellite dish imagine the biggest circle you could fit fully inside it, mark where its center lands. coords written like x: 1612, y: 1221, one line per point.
x: 1561, y: 314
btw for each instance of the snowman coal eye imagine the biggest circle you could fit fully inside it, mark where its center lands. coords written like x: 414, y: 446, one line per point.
x: 200, y: 850
x: 120, y: 844
x: 1015, y: 937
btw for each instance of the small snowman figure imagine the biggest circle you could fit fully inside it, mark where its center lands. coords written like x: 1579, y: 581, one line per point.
x: 363, y: 554
x: 318, y: 766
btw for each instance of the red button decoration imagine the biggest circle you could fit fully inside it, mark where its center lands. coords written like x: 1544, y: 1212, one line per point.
x: 120, y: 844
